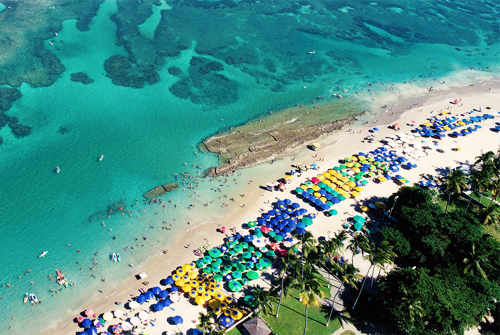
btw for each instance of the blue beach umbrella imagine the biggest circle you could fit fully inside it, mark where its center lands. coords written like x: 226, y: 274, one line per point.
x: 166, y: 302
x: 86, y: 323
x: 300, y: 231
x: 149, y: 295
x: 226, y: 321
x: 169, y: 280
x: 141, y: 299
x: 156, y: 290
x: 174, y: 289
x: 177, y: 320
x: 92, y: 330
x: 163, y: 294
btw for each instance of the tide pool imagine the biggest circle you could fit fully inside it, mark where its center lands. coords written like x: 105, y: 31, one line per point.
x: 149, y: 136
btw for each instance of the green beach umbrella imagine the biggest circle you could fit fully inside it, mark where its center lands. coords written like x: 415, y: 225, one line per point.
x: 334, y: 193
x: 329, y: 203
x: 214, y: 253
x: 224, y: 272
x: 307, y: 220
x: 245, y: 281
x: 234, y: 263
x: 238, y: 248
x: 270, y: 253
x: 278, y: 238
x: 252, y: 275
x: 241, y: 259
x: 364, y: 182
x: 199, y: 263
x: 351, y: 179
x: 310, y: 190
x: 341, y: 197
x: 218, y: 278
x: 207, y: 270
x: 246, y: 255
x: 322, y: 185
x: 207, y: 259
x: 249, y: 265
x: 215, y: 269
x: 358, y: 177
x: 250, y: 248
x: 228, y: 267
x: 250, y: 301
x: 231, y: 252
x: 229, y: 245
x: 343, y: 166
x: 258, y: 254
x: 244, y: 245
x: 265, y: 262
x: 358, y: 226
x: 259, y: 234
x: 235, y: 286
x: 328, y: 189
x: 359, y: 219
x: 240, y: 268
x: 236, y: 274
x: 344, y: 174
x: 259, y: 267
x: 299, y: 190
x: 218, y: 261
x: 272, y: 233
x: 333, y: 212
x: 226, y: 258
x: 251, y: 224
x: 309, y: 183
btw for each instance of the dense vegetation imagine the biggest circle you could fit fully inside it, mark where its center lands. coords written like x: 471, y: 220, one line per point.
x: 451, y: 273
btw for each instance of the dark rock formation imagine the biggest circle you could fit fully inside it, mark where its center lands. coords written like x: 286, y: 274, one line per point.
x: 111, y: 210
x: 212, y: 66
x: 124, y: 73
x: 161, y: 190
x: 20, y: 130
x: 81, y: 77
x: 7, y: 97
x: 174, y: 71
x: 52, y: 66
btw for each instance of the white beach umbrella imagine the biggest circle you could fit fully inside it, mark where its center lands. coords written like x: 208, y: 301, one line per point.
x: 127, y: 326
x: 170, y: 332
x: 135, y: 321
x: 258, y: 243
x: 118, y: 313
x: 143, y: 315
x: 174, y: 297
x: 133, y: 304
x: 108, y: 316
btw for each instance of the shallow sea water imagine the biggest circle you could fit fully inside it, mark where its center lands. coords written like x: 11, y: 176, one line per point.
x: 146, y: 135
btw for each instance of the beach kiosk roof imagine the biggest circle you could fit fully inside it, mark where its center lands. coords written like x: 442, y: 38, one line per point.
x: 256, y: 326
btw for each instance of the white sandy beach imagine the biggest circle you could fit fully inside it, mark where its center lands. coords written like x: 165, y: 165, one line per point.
x: 334, y: 148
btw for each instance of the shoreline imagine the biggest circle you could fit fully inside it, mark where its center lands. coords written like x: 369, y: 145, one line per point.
x: 339, y: 144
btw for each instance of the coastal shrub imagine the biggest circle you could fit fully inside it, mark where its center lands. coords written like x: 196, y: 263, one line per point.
x: 396, y: 239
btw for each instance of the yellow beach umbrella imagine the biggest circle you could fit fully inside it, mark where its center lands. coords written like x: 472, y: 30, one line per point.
x: 327, y: 181
x: 206, y: 296
x: 355, y: 194
x: 227, y: 312
x: 364, y: 208
x: 236, y: 313
x: 217, y: 286
x: 428, y: 124
x: 205, y: 284
x: 317, y: 195
x: 333, y: 179
x: 192, y: 274
x: 359, y: 189
x: 316, y: 188
x: 179, y: 283
x: 217, y: 310
x: 320, y: 177
x: 344, y: 179
x: 339, y: 182
x: 382, y: 179
x: 355, y: 169
x: 331, y: 172
x: 346, y: 187
x: 187, y: 268
x: 322, y: 199
x: 180, y: 272
x: 326, y: 174
x: 200, y: 289
x: 193, y: 294
x: 199, y: 300
x: 339, y: 190
x: 220, y: 297
x: 229, y: 300
x: 351, y: 184
x: 214, y: 303
x: 354, y: 158
x: 186, y: 288
x: 349, y: 165
x: 304, y: 187
x: 194, y: 283
x: 211, y: 291
x: 176, y: 277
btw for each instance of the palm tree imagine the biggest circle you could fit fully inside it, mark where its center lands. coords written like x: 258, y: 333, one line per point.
x: 377, y: 255
x: 485, y: 158
x: 263, y: 299
x: 479, y: 181
x: 310, y: 289
x: 205, y: 322
x: 494, y: 188
x: 308, y: 243
x: 476, y: 260
x: 411, y: 303
x: 385, y: 256
x: 491, y: 215
x: 359, y: 241
x: 332, y: 248
x: 455, y: 183
x: 288, y: 262
x: 348, y: 275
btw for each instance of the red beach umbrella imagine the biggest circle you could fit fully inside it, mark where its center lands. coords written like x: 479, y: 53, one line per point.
x: 315, y: 180
x: 80, y: 319
x: 90, y: 312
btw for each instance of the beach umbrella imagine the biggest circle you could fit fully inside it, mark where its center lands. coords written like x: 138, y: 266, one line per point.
x: 118, y: 313
x: 265, y: 262
x: 300, y: 231
x: 177, y: 320
x: 158, y: 307
x: 380, y: 205
x: 108, y: 316
x: 92, y: 330
x: 156, y: 290
x: 238, y: 248
x: 117, y: 329
x: 236, y: 275
x: 207, y: 259
x: 252, y: 275
x: 143, y: 315
x: 199, y: 300
x: 86, y: 323
x: 127, y: 326
x: 220, y: 297
x: 358, y: 226
x: 193, y: 294
x: 214, y: 253
x: 226, y: 321
x: 135, y: 321
x: 149, y: 295
x: 235, y: 286
x: 307, y: 221
x: 174, y: 289
x: 133, y: 304
x: 90, y: 312
x: 252, y: 224
x: 333, y: 212
x: 246, y: 255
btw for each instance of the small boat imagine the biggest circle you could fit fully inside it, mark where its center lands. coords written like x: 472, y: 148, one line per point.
x: 26, y: 298
x: 61, y: 280
x: 58, y: 169
x: 100, y: 158
x: 118, y: 257
x: 113, y: 257
x: 312, y: 52
x: 43, y: 254
x: 33, y: 298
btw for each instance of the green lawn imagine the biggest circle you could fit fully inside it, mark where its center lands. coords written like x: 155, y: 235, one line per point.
x: 493, y: 230
x: 484, y: 199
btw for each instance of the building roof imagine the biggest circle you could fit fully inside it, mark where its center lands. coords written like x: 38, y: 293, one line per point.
x: 256, y: 326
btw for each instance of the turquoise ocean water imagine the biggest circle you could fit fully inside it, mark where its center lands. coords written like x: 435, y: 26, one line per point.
x: 146, y: 135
